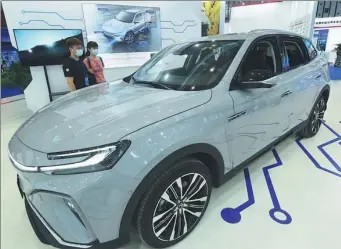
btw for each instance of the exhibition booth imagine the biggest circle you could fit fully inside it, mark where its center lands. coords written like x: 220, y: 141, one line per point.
x: 244, y: 127
x: 39, y: 32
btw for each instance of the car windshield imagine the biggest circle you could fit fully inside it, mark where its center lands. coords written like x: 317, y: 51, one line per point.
x: 190, y: 66
x: 125, y: 16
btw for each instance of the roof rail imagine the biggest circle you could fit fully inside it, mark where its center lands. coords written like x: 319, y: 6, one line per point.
x: 262, y: 30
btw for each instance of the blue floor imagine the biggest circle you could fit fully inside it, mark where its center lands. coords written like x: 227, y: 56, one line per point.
x: 335, y: 73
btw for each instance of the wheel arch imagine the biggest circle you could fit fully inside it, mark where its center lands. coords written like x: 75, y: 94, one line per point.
x: 325, y: 91
x: 206, y: 153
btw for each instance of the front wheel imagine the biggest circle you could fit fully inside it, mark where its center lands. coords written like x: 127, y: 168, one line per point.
x: 129, y: 37
x: 315, y: 119
x: 175, y: 203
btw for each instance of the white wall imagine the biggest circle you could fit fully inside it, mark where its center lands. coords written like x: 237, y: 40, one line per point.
x: 262, y: 16
x: 276, y: 15
x: 19, y: 15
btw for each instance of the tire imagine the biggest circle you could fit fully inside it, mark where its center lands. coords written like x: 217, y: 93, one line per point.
x: 129, y: 37
x: 315, y: 118
x: 159, y: 210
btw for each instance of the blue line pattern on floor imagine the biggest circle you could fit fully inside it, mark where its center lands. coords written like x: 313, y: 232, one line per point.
x: 284, y: 217
x: 320, y: 147
x: 233, y: 215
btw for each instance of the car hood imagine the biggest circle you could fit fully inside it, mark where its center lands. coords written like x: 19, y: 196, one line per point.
x: 103, y: 114
x: 114, y: 26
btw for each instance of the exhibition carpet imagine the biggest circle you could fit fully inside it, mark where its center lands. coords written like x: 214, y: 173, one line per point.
x: 335, y: 73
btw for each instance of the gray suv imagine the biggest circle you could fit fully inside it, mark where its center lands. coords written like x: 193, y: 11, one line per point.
x: 145, y: 152
x: 128, y: 23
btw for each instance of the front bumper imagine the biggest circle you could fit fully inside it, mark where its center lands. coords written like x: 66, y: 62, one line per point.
x: 119, y: 37
x: 47, y: 235
x: 78, y: 210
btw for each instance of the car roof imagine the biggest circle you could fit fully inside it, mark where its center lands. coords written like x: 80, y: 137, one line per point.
x: 253, y: 34
x: 133, y: 10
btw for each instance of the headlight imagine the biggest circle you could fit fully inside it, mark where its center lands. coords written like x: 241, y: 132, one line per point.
x: 97, y: 159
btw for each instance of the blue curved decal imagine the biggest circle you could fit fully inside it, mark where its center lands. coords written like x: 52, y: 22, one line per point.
x: 321, y: 148
x: 276, y: 213
x: 233, y: 215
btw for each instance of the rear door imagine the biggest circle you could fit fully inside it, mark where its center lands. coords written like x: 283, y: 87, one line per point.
x: 300, y: 76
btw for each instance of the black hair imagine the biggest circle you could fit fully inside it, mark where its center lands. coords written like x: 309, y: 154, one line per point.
x: 91, y: 44
x: 72, y: 42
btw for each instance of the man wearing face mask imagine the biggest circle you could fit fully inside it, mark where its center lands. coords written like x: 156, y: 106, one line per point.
x: 74, y: 69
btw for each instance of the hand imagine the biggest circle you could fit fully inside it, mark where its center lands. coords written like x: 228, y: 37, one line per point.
x: 90, y: 70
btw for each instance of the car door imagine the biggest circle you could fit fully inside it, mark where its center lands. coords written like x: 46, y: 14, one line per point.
x: 256, y: 121
x: 300, y: 77
x: 139, y: 22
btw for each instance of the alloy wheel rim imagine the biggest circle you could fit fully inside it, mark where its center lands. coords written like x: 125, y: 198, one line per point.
x: 318, y: 116
x: 130, y: 37
x: 180, y: 207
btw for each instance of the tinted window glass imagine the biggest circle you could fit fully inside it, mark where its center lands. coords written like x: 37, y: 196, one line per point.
x: 139, y: 18
x: 190, y: 66
x: 261, y: 62
x: 312, y: 53
x: 126, y: 17
x: 294, y: 53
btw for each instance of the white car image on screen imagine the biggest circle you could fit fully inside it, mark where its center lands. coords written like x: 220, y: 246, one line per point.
x: 127, y: 24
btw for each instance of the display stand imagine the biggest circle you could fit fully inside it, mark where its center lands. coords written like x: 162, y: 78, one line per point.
x: 51, y: 95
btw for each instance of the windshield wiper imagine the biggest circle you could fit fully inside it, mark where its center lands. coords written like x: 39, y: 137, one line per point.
x: 151, y: 83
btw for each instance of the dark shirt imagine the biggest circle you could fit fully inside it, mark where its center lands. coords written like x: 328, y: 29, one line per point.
x: 77, y: 70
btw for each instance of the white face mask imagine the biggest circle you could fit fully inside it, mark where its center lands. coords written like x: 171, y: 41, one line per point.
x: 79, y: 52
x: 94, y: 52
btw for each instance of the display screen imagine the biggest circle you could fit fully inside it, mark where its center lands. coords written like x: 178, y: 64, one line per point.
x: 126, y: 34
x: 44, y: 47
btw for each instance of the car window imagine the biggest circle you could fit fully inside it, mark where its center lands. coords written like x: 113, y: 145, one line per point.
x: 261, y: 62
x: 125, y: 16
x: 190, y: 66
x: 139, y: 18
x: 170, y: 62
x: 294, y: 53
x: 312, y: 53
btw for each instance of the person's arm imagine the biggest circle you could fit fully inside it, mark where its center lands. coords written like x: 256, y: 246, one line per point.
x: 86, y: 63
x: 68, y: 73
x: 71, y: 84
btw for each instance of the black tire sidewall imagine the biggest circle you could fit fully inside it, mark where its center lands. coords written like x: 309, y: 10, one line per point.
x: 307, y: 132
x: 129, y: 32
x: 152, y: 197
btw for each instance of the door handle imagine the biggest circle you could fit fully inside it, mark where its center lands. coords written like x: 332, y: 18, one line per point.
x: 237, y: 115
x: 286, y: 93
x: 318, y: 76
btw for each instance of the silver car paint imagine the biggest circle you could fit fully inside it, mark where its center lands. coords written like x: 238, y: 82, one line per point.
x: 103, y: 114
x: 114, y: 27
x: 158, y: 122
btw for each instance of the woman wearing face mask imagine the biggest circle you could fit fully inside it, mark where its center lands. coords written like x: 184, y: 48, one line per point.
x: 74, y: 69
x: 93, y: 62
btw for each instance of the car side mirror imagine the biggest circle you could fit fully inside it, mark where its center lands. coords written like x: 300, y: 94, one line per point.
x: 257, y: 75
x: 253, y: 85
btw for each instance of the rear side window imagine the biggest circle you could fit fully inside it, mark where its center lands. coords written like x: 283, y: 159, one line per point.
x: 312, y: 53
x: 294, y: 53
